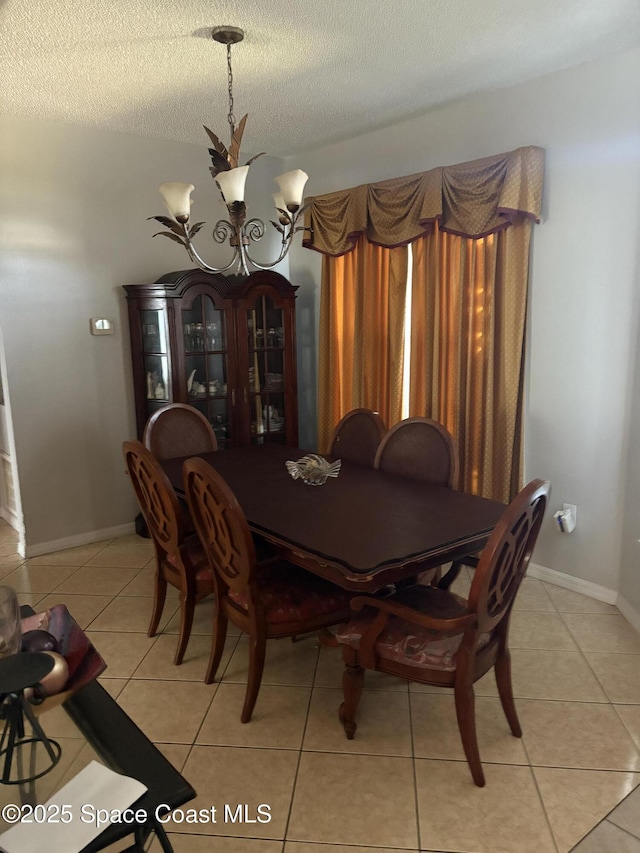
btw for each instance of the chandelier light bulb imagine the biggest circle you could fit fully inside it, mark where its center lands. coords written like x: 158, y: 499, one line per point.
x: 177, y: 198
x: 291, y: 186
x: 231, y: 183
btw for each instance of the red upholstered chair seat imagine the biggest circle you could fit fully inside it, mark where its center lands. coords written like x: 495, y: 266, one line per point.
x: 408, y: 643
x: 290, y: 594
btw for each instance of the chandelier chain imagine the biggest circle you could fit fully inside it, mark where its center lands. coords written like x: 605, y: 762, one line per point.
x: 230, y: 117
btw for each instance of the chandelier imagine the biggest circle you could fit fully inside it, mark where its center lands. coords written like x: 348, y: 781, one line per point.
x: 230, y: 179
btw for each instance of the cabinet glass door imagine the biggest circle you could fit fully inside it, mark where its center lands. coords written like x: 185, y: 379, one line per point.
x: 155, y: 355
x: 206, y: 363
x: 266, y: 371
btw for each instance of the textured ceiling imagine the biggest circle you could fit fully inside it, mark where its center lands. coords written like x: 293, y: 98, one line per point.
x: 308, y: 73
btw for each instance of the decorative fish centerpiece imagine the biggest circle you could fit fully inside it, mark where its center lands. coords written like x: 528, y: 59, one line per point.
x: 313, y: 469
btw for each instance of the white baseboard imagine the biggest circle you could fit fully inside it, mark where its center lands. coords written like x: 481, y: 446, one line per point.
x: 592, y: 590
x: 81, y: 539
x: 630, y: 613
x: 9, y: 516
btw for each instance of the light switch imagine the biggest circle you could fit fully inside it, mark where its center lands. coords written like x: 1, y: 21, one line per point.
x: 101, y: 326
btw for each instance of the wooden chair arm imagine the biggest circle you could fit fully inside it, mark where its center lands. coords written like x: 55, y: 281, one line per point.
x: 427, y: 607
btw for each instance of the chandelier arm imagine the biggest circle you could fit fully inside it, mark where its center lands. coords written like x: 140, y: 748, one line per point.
x: 287, y: 237
x: 195, y: 257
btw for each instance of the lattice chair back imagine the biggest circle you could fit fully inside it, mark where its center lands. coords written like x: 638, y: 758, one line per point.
x: 157, y: 500
x: 357, y: 437
x: 221, y: 525
x: 420, y: 448
x: 505, y: 558
x: 178, y: 430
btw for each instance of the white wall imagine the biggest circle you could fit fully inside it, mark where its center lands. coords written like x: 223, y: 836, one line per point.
x: 73, y: 230
x: 584, y: 278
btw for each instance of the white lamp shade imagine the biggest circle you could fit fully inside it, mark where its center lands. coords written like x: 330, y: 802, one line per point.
x: 278, y: 200
x: 292, y: 187
x: 232, y: 183
x: 177, y: 198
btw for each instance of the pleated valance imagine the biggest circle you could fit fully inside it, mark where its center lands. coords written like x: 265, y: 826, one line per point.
x: 470, y: 199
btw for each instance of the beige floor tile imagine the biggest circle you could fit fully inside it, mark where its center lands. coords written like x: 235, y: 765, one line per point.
x: 503, y: 817
x: 595, y: 632
x: 532, y: 595
x: 176, y: 753
x: 436, y: 733
x: 96, y: 581
x: 8, y: 548
x: 331, y: 669
x: 131, y: 613
x: 285, y: 662
x: 10, y: 564
x: 383, y: 723
x: 225, y: 775
x: 576, y: 734
x: 37, y: 579
x: 113, y: 686
x: 608, y: 837
x: 627, y: 814
x: 122, y: 652
x: 630, y: 716
x: 568, y: 601
x: 618, y: 674
x: 30, y: 598
x: 159, y: 662
x: 354, y: 799
x: 167, y: 711
x: 70, y: 556
x: 278, y: 719
x: 130, y: 552
x: 547, y: 674
x: 56, y: 724
x: 143, y: 583
x: 304, y: 847
x: 212, y: 844
x: 83, y: 608
x: 202, y: 620
x: 539, y: 630
x: 575, y: 800
x: 462, y: 584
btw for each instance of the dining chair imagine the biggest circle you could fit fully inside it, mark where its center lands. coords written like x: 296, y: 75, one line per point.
x: 180, y: 559
x: 433, y: 636
x: 422, y: 449
x: 266, y: 600
x: 178, y: 430
x: 357, y: 436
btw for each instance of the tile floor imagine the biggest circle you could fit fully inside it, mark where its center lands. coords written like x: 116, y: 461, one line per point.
x: 402, y: 784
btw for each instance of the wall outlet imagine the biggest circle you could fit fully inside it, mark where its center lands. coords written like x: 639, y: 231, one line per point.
x: 573, y: 510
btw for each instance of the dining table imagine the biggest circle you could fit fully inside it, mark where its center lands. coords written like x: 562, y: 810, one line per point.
x: 363, y: 530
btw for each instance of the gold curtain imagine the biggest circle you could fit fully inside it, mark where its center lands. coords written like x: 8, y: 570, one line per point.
x: 472, y: 199
x: 468, y: 315
x: 470, y: 228
x: 361, y: 334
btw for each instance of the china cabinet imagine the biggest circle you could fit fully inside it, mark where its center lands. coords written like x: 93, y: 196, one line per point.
x: 223, y: 345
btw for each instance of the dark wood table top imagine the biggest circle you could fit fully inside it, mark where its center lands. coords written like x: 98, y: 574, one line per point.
x: 364, y: 529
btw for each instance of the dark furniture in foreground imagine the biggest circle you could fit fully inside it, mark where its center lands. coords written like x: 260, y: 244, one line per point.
x: 123, y: 747
x: 433, y: 636
x: 363, y: 530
